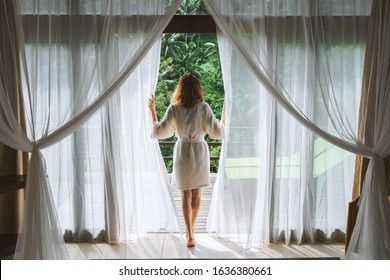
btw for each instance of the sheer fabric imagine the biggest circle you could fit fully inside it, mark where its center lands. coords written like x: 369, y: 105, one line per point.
x: 112, y: 184
x: 12, y: 162
x: 301, y: 23
x: 371, y: 236
x: 240, y: 205
x: 76, y: 55
x: 304, y: 62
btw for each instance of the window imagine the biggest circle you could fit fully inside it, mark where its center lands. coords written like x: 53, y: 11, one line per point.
x: 198, y: 54
x: 189, y: 44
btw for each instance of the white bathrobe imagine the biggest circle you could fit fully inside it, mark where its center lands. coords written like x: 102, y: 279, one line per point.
x: 191, y: 159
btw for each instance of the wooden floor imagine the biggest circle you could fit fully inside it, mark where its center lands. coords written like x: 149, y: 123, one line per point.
x: 172, y: 246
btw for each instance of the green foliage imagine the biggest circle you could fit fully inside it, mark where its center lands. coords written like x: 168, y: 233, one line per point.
x: 192, y: 7
x: 190, y: 53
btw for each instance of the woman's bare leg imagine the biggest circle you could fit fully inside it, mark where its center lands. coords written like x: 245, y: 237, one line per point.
x: 195, y: 205
x: 186, y: 201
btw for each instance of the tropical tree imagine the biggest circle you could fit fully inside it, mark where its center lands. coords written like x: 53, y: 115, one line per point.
x: 192, y: 7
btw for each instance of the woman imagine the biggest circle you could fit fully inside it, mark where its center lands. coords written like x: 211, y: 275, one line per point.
x: 190, y: 118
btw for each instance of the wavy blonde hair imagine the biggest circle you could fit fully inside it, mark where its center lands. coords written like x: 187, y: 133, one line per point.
x: 188, y: 92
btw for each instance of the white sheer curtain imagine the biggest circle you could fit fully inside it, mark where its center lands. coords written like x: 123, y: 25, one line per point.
x: 309, y: 56
x: 76, y: 55
x: 241, y: 202
x: 371, y: 236
x: 121, y: 188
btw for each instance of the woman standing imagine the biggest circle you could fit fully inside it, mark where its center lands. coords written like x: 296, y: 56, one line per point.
x: 190, y: 118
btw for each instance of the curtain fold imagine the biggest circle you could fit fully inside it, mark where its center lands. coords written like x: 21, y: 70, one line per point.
x: 39, y: 236
x: 318, y: 38
x: 241, y: 205
x: 62, y: 89
x: 12, y: 162
x: 371, y: 235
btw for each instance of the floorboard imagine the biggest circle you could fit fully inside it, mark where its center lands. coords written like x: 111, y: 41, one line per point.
x: 172, y: 246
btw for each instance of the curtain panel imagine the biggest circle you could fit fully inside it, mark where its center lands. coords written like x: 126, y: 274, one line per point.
x: 12, y: 162
x: 65, y: 49
x: 371, y: 235
x: 258, y: 30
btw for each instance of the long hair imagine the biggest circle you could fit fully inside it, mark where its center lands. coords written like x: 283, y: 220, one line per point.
x: 188, y: 91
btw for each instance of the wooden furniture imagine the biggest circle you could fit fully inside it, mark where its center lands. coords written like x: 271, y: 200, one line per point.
x: 10, y: 184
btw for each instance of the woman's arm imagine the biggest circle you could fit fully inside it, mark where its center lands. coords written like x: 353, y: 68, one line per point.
x: 163, y: 129
x: 214, y: 128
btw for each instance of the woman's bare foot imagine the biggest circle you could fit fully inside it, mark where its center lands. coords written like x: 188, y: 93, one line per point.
x: 190, y: 240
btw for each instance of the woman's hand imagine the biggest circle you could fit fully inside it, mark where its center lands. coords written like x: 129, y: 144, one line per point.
x: 152, y: 108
